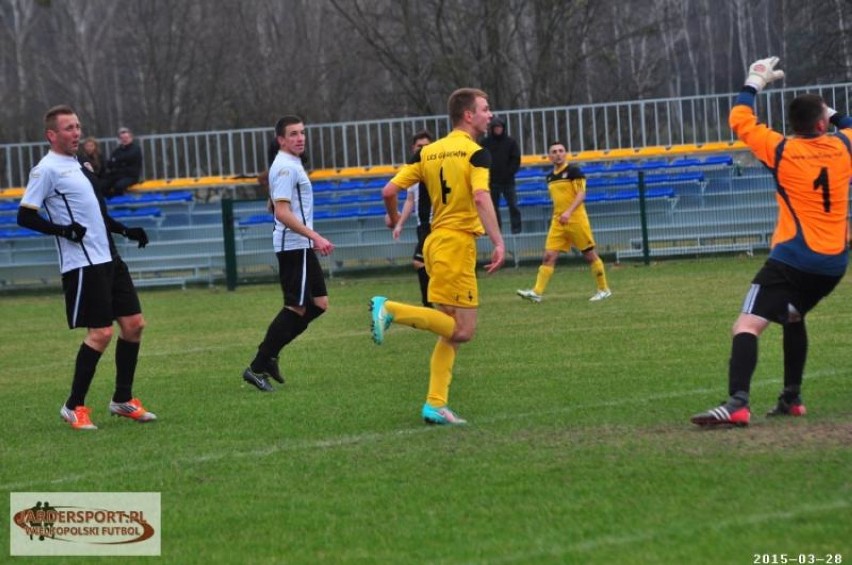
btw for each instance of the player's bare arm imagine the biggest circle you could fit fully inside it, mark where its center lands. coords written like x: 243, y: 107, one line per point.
x: 565, y: 217
x: 390, y: 196
x: 407, y: 208
x: 284, y: 214
x: 488, y: 217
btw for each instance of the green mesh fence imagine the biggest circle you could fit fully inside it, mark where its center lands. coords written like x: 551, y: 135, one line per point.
x: 639, y: 211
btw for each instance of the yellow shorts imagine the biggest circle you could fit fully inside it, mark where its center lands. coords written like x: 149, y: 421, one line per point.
x: 561, y: 238
x: 451, y: 263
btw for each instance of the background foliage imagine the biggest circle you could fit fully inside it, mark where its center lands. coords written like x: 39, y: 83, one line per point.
x: 162, y: 66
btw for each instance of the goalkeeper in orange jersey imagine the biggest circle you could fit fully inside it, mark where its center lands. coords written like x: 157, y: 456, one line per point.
x: 812, y: 170
x: 569, y: 227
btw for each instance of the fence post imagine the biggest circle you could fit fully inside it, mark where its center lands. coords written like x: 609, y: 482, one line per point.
x: 230, y: 248
x: 643, y: 218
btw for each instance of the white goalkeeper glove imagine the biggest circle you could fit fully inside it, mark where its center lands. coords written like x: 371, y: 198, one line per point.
x: 762, y: 72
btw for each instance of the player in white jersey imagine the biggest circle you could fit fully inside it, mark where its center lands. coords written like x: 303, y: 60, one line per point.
x: 417, y: 202
x: 97, y: 285
x: 295, y: 242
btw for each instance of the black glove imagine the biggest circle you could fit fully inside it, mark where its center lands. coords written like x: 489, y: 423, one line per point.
x: 73, y: 232
x: 138, y: 235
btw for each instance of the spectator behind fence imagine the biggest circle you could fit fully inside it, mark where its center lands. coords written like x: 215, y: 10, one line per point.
x: 90, y: 156
x: 505, y: 162
x: 124, y: 166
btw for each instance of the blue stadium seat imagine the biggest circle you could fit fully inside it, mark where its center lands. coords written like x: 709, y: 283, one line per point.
x: 719, y: 160
x: 375, y: 183
x: 660, y: 193
x: 151, y: 198
x: 622, y: 195
x: 593, y: 168
x: 685, y: 162
x: 534, y: 201
x: 358, y: 198
x: 622, y: 167
x: 256, y: 219
x: 18, y: 233
x: 654, y: 164
x: 621, y: 180
x: 531, y: 187
x: 324, y: 201
x: 690, y: 176
x: 9, y: 206
x: 530, y: 173
x: 324, y: 186
x: 373, y: 211
x: 147, y: 212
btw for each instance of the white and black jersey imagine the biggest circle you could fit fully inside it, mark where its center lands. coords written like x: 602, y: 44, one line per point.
x: 422, y: 205
x: 289, y: 181
x: 57, y: 184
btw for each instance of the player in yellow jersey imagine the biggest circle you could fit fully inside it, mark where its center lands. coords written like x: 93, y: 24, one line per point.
x: 569, y: 227
x: 454, y: 170
x: 812, y: 170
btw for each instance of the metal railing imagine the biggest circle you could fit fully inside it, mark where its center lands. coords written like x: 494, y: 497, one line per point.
x: 622, y: 125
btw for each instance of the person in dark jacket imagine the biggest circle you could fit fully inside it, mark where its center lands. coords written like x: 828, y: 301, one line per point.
x: 124, y: 166
x: 505, y: 161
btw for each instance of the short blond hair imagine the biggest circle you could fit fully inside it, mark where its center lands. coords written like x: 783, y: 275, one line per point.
x: 462, y: 100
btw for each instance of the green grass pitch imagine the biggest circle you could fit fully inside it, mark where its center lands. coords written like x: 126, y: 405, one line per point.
x: 579, y: 448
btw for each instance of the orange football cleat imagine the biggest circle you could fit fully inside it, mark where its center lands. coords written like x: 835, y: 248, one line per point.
x: 132, y: 409
x: 78, y: 417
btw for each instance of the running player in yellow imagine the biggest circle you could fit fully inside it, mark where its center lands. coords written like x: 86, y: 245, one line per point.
x: 812, y: 170
x: 454, y: 171
x: 569, y: 227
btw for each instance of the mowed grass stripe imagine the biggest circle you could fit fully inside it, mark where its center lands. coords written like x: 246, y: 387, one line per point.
x: 400, y: 434
x: 580, y: 448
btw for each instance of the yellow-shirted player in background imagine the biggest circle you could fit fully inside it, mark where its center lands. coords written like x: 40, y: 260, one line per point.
x: 454, y: 170
x: 812, y: 171
x: 569, y: 227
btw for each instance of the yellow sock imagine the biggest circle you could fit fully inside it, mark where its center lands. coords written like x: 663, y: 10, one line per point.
x: 544, y: 274
x: 422, y: 318
x: 441, y: 373
x: 599, y: 274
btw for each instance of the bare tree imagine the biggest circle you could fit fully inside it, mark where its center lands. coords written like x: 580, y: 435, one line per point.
x: 182, y: 65
x: 20, y: 18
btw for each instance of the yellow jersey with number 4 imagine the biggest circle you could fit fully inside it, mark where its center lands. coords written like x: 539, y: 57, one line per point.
x: 450, y: 169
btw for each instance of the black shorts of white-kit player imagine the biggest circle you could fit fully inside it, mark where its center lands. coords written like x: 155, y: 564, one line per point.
x: 95, y: 295
x: 301, y: 276
x: 781, y: 293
